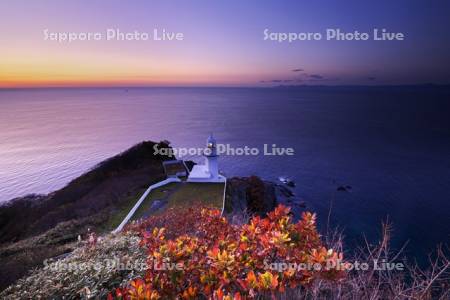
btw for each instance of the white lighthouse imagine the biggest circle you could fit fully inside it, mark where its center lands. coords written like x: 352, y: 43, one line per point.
x: 208, y: 172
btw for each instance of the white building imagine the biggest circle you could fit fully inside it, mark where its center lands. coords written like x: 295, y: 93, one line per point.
x: 209, y: 172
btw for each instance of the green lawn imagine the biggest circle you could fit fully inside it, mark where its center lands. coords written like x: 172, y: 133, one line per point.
x: 156, y: 194
x: 176, y: 194
x: 209, y: 194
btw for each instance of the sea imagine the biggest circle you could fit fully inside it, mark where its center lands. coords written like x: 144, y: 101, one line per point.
x: 389, y: 145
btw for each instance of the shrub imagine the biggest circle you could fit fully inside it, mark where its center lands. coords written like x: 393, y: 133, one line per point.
x: 197, y: 253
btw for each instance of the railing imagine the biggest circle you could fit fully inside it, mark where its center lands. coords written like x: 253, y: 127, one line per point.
x: 139, y: 202
x: 152, y: 187
x: 224, y: 196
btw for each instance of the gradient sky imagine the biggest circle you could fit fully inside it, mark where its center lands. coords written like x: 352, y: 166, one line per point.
x: 223, y: 44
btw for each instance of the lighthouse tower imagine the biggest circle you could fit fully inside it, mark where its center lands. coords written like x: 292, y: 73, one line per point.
x: 208, y: 172
x: 211, y: 156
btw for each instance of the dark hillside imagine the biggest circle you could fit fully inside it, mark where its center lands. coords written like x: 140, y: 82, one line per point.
x: 89, y: 201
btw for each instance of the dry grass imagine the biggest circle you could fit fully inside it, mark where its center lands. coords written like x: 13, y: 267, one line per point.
x: 410, y: 283
x: 89, y: 275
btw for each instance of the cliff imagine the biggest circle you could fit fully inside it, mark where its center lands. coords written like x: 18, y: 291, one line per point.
x: 37, y: 227
x: 252, y: 195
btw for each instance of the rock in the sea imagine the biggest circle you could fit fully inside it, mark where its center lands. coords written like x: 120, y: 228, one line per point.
x: 287, y: 181
x: 344, y: 188
x: 284, y: 191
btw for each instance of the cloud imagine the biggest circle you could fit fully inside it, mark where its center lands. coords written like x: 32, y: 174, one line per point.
x: 371, y: 78
x: 272, y: 81
x: 316, y: 76
x: 321, y: 78
x: 302, y: 77
x: 278, y: 81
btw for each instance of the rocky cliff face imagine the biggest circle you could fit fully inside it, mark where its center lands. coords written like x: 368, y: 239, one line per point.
x: 252, y: 195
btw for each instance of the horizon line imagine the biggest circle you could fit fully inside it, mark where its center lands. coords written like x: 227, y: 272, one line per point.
x: 224, y: 86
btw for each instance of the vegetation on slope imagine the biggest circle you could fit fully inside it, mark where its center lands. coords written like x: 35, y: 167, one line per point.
x: 95, y: 200
x: 90, y: 271
x: 195, y: 253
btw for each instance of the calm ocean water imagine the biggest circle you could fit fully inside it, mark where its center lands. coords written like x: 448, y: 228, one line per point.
x: 392, y: 146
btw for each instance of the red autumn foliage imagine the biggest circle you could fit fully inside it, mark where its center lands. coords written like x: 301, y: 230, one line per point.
x: 196, y: 253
